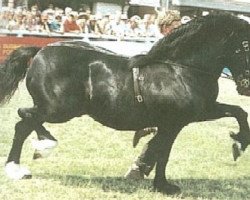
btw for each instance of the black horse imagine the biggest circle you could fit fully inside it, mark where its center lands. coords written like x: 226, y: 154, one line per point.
x: 175, y: 84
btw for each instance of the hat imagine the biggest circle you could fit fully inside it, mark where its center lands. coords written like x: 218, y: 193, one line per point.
x: 83, y: 15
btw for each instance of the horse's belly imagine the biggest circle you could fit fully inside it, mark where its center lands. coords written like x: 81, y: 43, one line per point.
x: 122, y: 119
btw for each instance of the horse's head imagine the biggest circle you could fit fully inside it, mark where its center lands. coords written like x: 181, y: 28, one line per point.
x: 242, y: 74
x: 238, y: 57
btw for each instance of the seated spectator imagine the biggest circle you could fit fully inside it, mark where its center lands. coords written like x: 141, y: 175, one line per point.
x: 82, y: 21
x: 56, y: 25
x: 92, y: 24
x: 67, y: 12
x: 148, y: 27
x: 134, y: 26
x: 44, y: 24
x: 70, y: 25
x: 100, y: 24
x: 120, y: 27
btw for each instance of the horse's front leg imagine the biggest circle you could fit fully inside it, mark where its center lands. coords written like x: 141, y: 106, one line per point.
x: 243, y: 136
x: 162, y: 151
x: 156, y: 151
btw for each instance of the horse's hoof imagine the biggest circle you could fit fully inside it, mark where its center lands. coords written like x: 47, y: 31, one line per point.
x: 236, y: 150
x: 134, y: 173
x: 16, y: 172
x: 43, y: 148
x: 167, y: 188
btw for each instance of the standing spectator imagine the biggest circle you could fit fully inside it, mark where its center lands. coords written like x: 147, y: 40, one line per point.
x: 168, y: 21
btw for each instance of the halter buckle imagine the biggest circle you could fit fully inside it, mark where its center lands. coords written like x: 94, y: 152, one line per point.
x: 139, y: 98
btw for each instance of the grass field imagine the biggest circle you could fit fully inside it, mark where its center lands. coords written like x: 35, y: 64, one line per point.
x: 90, y: 160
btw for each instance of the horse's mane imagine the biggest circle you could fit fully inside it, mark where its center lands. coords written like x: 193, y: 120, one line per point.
x: 188, y: 36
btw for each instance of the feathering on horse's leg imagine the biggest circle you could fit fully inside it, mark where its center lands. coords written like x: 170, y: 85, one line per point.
x: 134, y: 171
x: 144, y: 164
x: 46, y: 142
x: 13, y: 169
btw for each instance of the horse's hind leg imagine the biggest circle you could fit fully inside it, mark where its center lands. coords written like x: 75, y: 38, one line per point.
x: 22, y: 130
x: 46, y: 142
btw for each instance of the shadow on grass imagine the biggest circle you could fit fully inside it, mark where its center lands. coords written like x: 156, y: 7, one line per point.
x: 195, y: 188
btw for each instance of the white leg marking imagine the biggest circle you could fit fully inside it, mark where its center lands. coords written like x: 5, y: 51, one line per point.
x: 43, y: 148
x: 16, y: 172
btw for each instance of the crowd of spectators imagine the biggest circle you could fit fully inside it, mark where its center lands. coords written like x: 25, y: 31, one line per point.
x: 62, y: 21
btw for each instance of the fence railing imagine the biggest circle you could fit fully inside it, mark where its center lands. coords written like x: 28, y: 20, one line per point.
x: 10, y: 40
x: 87, y: 36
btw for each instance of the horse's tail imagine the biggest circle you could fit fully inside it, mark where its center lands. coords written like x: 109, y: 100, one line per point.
x: 13, y: 70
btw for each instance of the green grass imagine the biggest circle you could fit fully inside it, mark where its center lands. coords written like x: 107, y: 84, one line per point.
x: 90, y: 160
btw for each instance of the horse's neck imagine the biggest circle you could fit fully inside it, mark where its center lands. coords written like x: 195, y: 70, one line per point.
x: 203, y: 58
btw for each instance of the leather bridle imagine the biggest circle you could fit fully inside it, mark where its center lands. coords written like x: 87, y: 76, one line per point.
x: 243, y: 80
